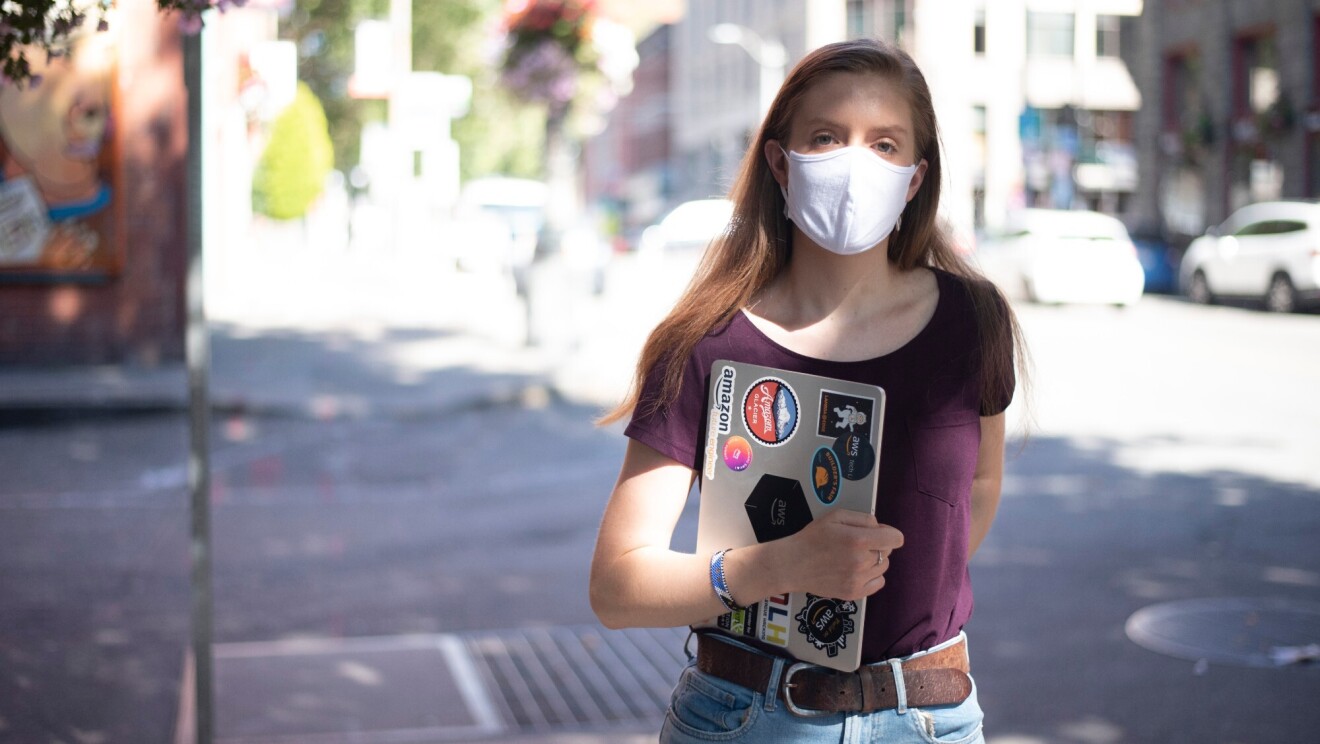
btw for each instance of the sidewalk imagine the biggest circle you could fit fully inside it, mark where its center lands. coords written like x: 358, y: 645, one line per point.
x: 318, y: 337
x: 323, y: 359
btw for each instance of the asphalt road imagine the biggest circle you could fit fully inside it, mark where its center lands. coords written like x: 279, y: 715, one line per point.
x: 1169, y: 454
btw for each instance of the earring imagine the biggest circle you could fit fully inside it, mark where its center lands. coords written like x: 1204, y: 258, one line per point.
x: 899, y: 224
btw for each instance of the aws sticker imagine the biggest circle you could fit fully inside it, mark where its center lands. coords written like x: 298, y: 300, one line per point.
x: 737, y: 453
x: 827, y: 623
x: 825, y: 475
x: 856, y: 456
x: 777, y: 508
x: 770, y: 411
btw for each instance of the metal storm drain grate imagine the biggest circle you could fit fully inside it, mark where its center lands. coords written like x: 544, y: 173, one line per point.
x: 422, y: 689
x: 1239, y: 631
x: 579, y: 676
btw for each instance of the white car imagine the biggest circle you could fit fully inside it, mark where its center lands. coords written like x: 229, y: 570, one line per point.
x: 495, y: 224
x: 1060, y: 256
x: 688, y: 227
x: 1269, y: 251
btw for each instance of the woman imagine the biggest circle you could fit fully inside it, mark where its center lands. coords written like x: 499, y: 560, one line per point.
x: 832, y: 265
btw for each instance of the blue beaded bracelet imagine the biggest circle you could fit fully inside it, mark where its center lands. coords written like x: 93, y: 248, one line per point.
x: 719, y: 583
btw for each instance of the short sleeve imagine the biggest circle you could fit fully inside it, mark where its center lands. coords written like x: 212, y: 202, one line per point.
x: 673, y: 430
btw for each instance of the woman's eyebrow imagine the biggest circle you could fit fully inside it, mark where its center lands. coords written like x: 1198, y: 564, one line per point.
x: 889, y: 129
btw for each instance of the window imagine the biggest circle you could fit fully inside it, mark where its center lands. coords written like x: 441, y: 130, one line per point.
x: 1107, y: 36
x: 1255, y: 74
x: 892, y: 15
x: 978, y: 32
x: 1271, y: 227
x: 1049, y: 34
x: 1182, y: 94
x: 859, y: 19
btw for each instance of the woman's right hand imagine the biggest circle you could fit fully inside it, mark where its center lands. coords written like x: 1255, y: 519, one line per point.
x: 843, y: 555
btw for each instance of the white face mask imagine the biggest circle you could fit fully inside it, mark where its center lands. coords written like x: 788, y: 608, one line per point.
x: 846, y: 200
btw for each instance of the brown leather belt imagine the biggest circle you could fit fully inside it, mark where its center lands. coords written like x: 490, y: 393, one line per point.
x: 938, y: 678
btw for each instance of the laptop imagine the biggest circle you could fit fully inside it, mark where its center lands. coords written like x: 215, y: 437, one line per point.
x: 783, y: 448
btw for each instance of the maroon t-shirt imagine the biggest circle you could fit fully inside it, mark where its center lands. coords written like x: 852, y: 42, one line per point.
x: 928, y: 454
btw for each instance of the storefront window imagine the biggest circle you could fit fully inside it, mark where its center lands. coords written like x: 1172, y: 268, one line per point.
x: 1107, y: 35
x: 1049, y: 34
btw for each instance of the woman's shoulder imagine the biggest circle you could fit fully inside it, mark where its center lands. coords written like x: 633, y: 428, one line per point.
x: 968, y: 291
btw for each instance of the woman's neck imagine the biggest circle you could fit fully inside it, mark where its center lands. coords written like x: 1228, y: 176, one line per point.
x: 817, y: 285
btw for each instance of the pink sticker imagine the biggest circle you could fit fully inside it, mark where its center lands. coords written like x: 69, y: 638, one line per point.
x: 737, y: 453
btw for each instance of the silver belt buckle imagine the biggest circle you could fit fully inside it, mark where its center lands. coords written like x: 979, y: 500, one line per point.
x: 788, y: 693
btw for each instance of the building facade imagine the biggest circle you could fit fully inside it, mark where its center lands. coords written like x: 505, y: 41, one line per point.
x: 1035, y: 98
x: 1234, y: 108
x: 717, y: 88
x: 627, y: 167
x: 102, y: 281
x: 1035, y: 102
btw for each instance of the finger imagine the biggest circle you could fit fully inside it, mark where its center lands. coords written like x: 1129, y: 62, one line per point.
x: 892, y: 537
x: 888, y: 538
x: 882, y: 538
x: 850, y: 517
x: 874, y: 585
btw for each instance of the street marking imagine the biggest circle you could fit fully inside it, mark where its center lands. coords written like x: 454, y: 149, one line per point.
x: 480, y: 706
x: 474, y: 693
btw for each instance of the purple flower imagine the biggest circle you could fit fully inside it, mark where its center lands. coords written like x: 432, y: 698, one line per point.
x: 190, y: 23
x: 546, y: 72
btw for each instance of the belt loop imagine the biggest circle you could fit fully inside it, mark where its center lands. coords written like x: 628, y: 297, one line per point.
x: 772, y: 687
x: 896, y: 667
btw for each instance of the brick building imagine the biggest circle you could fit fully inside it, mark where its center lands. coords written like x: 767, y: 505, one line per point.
x: 1234, y: 108
x: 628, y: 164
x: 116, y: 295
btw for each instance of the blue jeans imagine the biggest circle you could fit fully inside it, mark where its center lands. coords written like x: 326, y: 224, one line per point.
x: 705, y: 708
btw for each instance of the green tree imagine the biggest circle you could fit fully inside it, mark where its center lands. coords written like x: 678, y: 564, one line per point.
x: 297, y: 159
x: 498, y: 135
x: 323, y: 30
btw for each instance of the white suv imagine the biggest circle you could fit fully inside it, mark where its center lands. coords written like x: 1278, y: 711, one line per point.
x: 1268, y: 251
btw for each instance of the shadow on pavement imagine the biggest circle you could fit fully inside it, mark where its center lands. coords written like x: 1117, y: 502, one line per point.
x: 402, y: 508
x: 1080, y: 544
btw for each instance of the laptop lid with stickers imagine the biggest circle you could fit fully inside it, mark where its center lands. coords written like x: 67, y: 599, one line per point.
x: 783, y: 448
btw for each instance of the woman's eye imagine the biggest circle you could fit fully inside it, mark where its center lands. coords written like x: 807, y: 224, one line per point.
x: 822, y: 139
x: 886, y: 147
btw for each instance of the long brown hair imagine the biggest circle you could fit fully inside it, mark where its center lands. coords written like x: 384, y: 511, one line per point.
x: 757, y: 243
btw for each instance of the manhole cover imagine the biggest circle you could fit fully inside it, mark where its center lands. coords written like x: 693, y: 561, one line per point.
x: 1241, y: 631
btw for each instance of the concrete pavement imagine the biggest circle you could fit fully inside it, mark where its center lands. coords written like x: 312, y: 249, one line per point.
x: 393, y: 337
x: 319, y: 364
x: 334, y: 514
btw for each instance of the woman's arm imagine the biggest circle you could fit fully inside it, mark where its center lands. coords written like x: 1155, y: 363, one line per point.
x: 637, y: 581
x: 988, y: 480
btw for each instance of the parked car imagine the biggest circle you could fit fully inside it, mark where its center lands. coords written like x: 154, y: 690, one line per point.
x: 587, y: 252
x: 496, y: 221
x: 1064, y: 256
x: 688, y: 227
x: 1159, y: 259
x: 1267, y: 252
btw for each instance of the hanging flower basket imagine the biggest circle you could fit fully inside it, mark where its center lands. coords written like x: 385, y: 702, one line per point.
x: 549, y: 50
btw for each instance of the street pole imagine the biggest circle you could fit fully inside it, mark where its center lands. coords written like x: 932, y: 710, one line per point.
x: 768, y: 54
x: 771, y: 59
x: 199, y: 361
x: 401, y: 153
